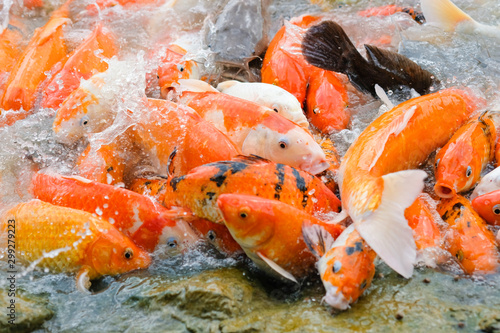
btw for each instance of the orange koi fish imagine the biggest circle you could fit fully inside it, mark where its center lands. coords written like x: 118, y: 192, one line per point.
x: 148, y: 224
x: 174, y: 67
x: 270, y: 233
x: 258, y: 130
x: 284, y: 65
x: 11, y: 48
x: 421, y: 219
x: 83, y: 62
x: 199, y: 189
x: 46, y: 48
x: 446, y: 15
x: 69, y: 240
x: 470, y: 241
x: 345, y: 265
x: 488, y: 207
x: 460, y: 162
x: 375, y: 186
x: 327, y: 102
x: 389, y: 10
x: 327, y: 46
x: 162, y: 129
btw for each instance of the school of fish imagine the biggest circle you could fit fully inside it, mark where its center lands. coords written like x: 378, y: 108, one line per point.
x: 246, y: 163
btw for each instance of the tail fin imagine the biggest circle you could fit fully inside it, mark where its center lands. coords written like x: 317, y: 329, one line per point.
x: 404, y: 70
x: 386, y: 229
x: 444, y: 14
x: 317, y: 239
x: 327, y: 46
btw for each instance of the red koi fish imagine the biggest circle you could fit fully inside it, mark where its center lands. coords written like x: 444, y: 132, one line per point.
x: 270, y: 233
x: 46, y: 48
x: 460, y: 162
x: 488, y: 207
x: 86, y: 60
x: 470, y: 241
x: 421, y: 219
x: 148, y: 224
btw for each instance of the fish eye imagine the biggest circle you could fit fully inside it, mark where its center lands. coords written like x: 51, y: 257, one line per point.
x: 84, y: 121
x: 468, y: 173
x: 128, y: 254
x: 180, y: 68
x: 496, y: 209
x: 172, y: 243
x: 283, y: 144
x: 211, y: 235
x: 460, y: 255
x: 275, y: 108
x: 244, y: 213
x: 437, y: 162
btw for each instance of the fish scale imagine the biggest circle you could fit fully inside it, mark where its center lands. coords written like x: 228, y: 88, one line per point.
x: 62, y: 227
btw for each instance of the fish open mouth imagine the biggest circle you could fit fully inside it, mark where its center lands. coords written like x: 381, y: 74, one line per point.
x: 444, y: 191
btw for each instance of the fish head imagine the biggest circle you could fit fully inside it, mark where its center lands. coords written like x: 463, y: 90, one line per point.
x: 176, y: 237
x: 488, y: 206
x: 282, y: 141
x: 218, y: 236
x: 81, y: 112
x: 174, y: 68
x: 456, y: 169
x: 113, y: 253
x: 251, y: 224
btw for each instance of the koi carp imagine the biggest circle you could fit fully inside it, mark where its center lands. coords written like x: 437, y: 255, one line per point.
x: 346, y: 264
x: 69, y: 240
x: 460, y: 162
x: 469, y: 239
x: 258, y: 130
x: 199, y: 189
x: 270, y: 233
x: 148, y: 224
x: 375, y: 185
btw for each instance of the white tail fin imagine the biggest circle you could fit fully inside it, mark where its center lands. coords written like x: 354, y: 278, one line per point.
x: 226, y: 84
x: 195, y: 85
x: 386, y: 229
x: 444, y: 14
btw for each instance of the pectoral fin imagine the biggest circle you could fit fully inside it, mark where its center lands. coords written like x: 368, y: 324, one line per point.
x: 277, y: 268
x: 83, y: 280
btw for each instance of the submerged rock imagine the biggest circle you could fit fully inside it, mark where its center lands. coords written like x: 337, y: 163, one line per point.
x: 30, y: 311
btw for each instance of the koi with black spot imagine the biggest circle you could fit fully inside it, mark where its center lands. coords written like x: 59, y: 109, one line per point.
x: 469, y: 240
x: 346, y: 265
x: 200, y: 188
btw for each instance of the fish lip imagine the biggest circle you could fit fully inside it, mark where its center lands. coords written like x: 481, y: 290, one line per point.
x: 335, y: 298
x: 444, y: 190
x: 314, y: 168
